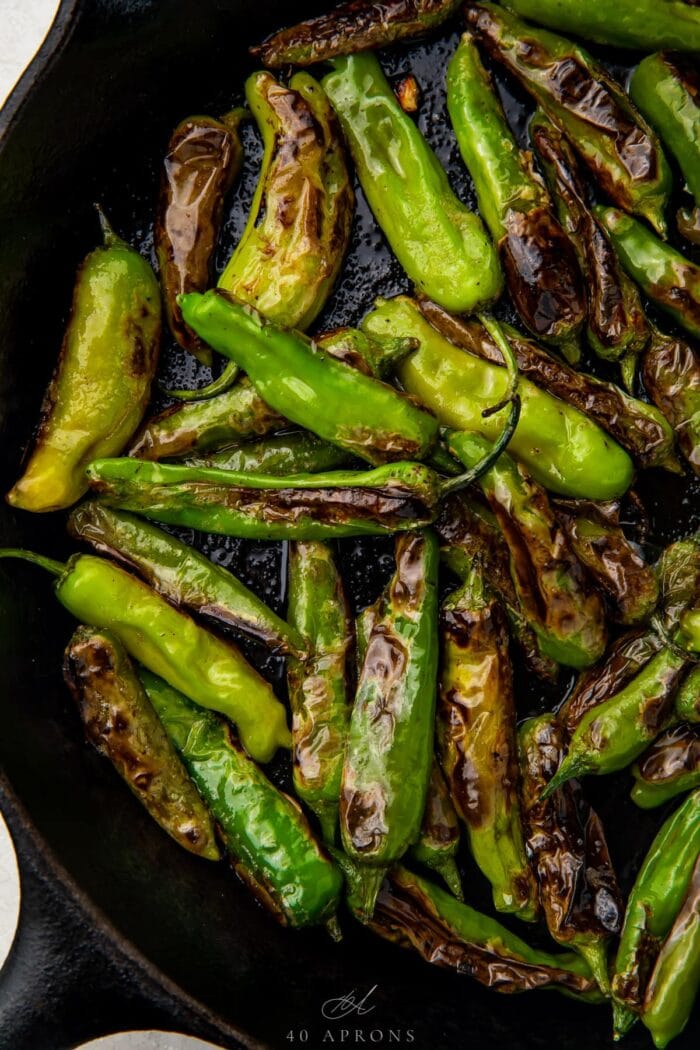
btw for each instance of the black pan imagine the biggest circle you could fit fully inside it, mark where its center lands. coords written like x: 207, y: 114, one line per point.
x: 132, y: 930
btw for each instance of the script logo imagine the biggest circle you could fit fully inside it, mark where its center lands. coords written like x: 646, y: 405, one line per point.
x: 345, y: 1005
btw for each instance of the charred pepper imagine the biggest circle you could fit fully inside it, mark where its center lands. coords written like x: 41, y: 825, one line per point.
x: 438, y: 841
x: 296, y: 452
x: 670, y: 767
x: 671, y: 376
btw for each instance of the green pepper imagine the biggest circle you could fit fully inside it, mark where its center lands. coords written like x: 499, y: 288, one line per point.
x: 442, y: 246
x: 670, y: 767
x: 560, y: 446
x: 667, y: 277
x: 614, y: 142
x: 102, y: 380
x: 477, y: 742
x: 438, y: 842
x: 537, y: 257
x: 319, y: 684
x: 652, y: 907
x: 212, y: 672
x: 687, y: 701
x: 679, y: 577
x: 671, y: 375
x: 203, y: 160
x: 390, y: 743
x: 567, y: 846
x: 267, y: 836
x: 298, y: 228
x: 352, y: 26
x: 181, y: 574
x: 666, y: 88
x: 121, y: 724
x: 690, y: 630
x: 295, y: 452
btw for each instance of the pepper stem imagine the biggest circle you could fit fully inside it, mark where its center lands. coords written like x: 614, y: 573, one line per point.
x: 570, y: 767
x: 217, y: 386
x: 235, y: 117
x: 596, y: 955
x: 449, y: 871
x: 56, y: 568
x: 623, y: 1019
x: 111, y: 239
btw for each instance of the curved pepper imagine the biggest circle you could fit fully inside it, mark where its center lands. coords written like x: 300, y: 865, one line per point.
x: 614, y: 142
x: 212, y: 672
x: 438, y: 842
x: 442, y: 246
x: 670, y: 767
x: 538, y: 258
x: 671, y: 376
x: 102, y: 380
x: 687, y: 701
x: 477, y: 742
x: 121, y: 724
x: 298, y: 228
x: 203, y: 160
x: 296, y: 452
x: 267, y: 836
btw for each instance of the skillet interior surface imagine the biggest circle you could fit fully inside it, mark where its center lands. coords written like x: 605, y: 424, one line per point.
x: 93, y: 126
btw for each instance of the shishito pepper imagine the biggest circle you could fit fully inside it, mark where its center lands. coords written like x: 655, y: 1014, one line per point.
x: 181, y: 574
x: 670, y: 767
x: 296, y: 452
x: 353, y: 26
x: 267, y: 836
x: 671, y: 375
x: 203, y: 160
x: 390, y: 743
x: 121, y: 724
x: 477, y: 742
x: 566, y: 842
x: 667, y: 277
x: 690, y: 630
x: 442, y: 246
x: 620, y: 150
x: 102, y: 381
x: 212, y: 672
x: 559, y: 445
x: 438, y: 841
x: 319, y: 683
x: 538, y: 259
x: 298, y: 228
x: 687, y: 702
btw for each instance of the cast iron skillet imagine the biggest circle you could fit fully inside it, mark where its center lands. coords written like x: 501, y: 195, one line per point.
x: 131, y: 930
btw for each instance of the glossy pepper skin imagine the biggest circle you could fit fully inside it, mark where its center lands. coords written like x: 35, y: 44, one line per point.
x: 560, y: 446
x: 265, y: 833
x: 671, y: 376
x: 181, y: 574
x: 320, y: 683
x: 566, y: 843
x: 210, y: 671
x: 566, y: 613
x: 617, y: 327
x: 102, y: 380
x: 442, y: 246
x: 438, y: 841
x: 537, y: 257
x: 670, y: 767
x: 619, y: 149
x: 477, y: 742
x: 667, y: 277
x: 310, y: 387
x: 666, y: 88
x: 295, y: 452
x: 298, y: 228
x: 687, y: 702
x: 203, y: 160
x: 121, y: 724
x: 390, y: 743
x: 350, y: 27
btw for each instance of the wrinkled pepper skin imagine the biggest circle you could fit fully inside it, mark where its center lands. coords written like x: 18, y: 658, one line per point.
x: 319, y: 684
x: 566, y: 613
x: 679, y: 577
x: 537, y: 257
x: 267, y: 836
x: 670, y: 767
x: 675, y: 980
x: 340, y: 503
x: 566, y: 843
x: 203, y: 161
x: 671, y: 376
x: 298, y: 228
x: 102, y: 380
x: 560, y: 446
x: 121, y: 724
x: 640, y: 428
x: 477, y: 742
x: 181, y: 574
x: 296, y: 452
x: 690, y: 630
x: 667, y: 277
x: 619, y: 149
x: 687, y: 701
x: 350, y: 27
x: 438, y: 842
x: 390, y: 743
x: 308, y: 386
x: 442, y: 246
x: 616, y: 322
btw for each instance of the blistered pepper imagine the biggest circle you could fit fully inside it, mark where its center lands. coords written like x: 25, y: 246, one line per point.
x: 442, y: 246
x: 687, y: 702
x: 294, y: 452
x: 102, y: 380
x: 620, y: 150
x: 670, y: 767
x: 438, y: 842
x: 671, y: 376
